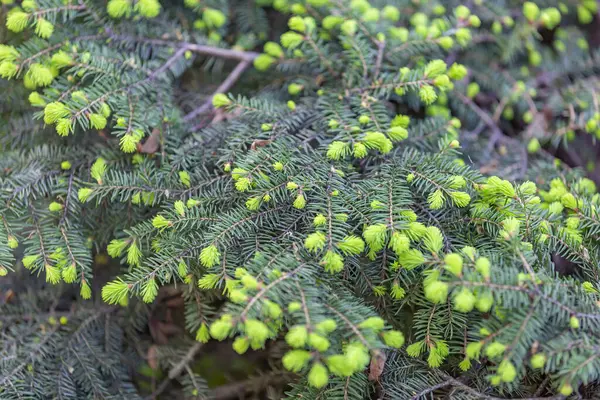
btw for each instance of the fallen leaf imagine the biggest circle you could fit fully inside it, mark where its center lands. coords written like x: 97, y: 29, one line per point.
x: 156, y: 332
x: 259, y: 143
x: 152, y: 356
x: 9, y: 295
x: 377, y: 364
x: 152, y: 144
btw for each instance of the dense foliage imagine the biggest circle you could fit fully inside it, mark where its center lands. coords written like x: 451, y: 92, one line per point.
x: 377, y: 212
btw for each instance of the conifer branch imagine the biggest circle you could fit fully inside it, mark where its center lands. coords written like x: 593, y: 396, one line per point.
x: 352, y: 172
x: 353, y: 327
x: 264, y: 290
x: 33, y: 353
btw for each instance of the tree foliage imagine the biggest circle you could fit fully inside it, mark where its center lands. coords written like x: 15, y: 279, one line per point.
x: 377, y: 205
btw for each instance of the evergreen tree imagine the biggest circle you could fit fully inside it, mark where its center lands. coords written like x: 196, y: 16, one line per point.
x: 376, y: 207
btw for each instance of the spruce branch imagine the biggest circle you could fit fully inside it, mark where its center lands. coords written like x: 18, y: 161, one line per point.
x: 32, y: 355
x: 476, y: 394
x: 342, y: 207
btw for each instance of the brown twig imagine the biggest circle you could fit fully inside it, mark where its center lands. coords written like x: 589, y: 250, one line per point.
x: 223, y: 87
x: 67, y: 197
x: 176, y: 370
x: 380, y: 49
x: 476, y: 394
x: 497, y: 134
x: 236, y: 390
x: 195, y: 48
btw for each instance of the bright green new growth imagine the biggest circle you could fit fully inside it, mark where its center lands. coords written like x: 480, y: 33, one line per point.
x: 373, y: 208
